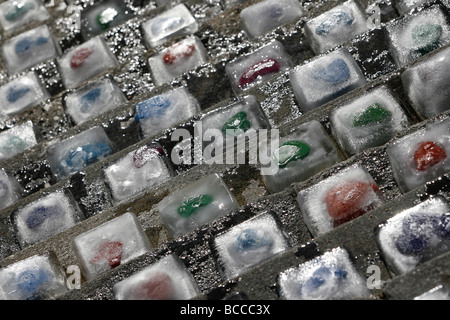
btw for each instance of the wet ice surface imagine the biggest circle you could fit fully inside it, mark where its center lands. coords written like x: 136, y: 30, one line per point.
x: 93, y: 99
x: 19, y: 138
x: 331, y: 276
x: 404, y: 6
x: 438, y: 293
x: 420, y: 156
x: 336, y: 26
x: 426, y: 84
x: 325, y: 78
x: 415, y: 235
x: 45, y: 217
x: 166, y: 279
x: 338, y: 199
x: 305, y: 151
x: 175, y: 21
x: 22, y: 93
x: 29, y: 49
x: 258, y: 66
x: 137, y: 171
x: 34, y: 278
x: 368, y: 121
x: 249, y: 243
x: 183, y: 56
x: 269, y: 14
x: 10, y: 190
x: 193, y: 206
x: 418, y: 34
x: 77, y: 152
x: 19, y: 13
x: 85, y: 61
x: 111, y: 244
x: 163, y: 111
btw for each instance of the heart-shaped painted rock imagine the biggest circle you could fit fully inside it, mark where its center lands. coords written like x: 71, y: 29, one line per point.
x: 338, y: 18
x: 336, y: 72
x: 189, y: 206
x: 428, y: 154
x: 237, y: 124
x: 258, y: 69
x: 374, y: 114
x: 290, y: 151
x: 426, y: 37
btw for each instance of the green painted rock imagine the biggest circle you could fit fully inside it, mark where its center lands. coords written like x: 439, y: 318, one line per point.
x: 189, y: 206
x: 374, y: 114
x: 105, y: 17
x: 18, y: 10
x: 426, y: 37
x: 290, y: 151
x: 236, y: 124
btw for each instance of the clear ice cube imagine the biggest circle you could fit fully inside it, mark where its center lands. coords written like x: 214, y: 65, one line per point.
x: 336, y: 26
x: 197, y: 204
x: 110, y: 244
x: 249, y: 243
x: 183, y: 56
x: 46, y: 217
x: 10, y: 189
x: 165, y: 279
x: 85, y: 61
x: 415, y: 35
x: 39, y: 277
x: 77, y: 152
x: 420, y: 156
x: 325, y: 78
x: 176, y: 21
x: 338, y: 199
x: 93, y: 99
x: 331, y: 276
x: 368, y: 121
x: 426, y: 84
x: 415, y: 235
x: 137, y: 171
x: 21, y: 93
x: 15, y: 14
x: 166, y: 110
x: 259, y: 66
x: 305, y: 151
x: 266, y: 15
x: 29, y: 49
x: 19, y: 138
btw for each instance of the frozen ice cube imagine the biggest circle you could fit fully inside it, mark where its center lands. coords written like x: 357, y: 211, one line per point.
x: 439, y: 292
x: 237, y: 120
x: 163, y: 111
x: 101, y: 17
x: 10, y: 190
x: 17, y: 139
x: 404, y: 6
x: 305, y: 151
x: 110, y: 244
x: 137, y: 171
x: 338, y: 199
x: 22, y: 93
x: 259, y: 66
x: 336, y: 26
x: 176, y: 21
x: 173, y: 61
x: 166, y: 279
x: 368, y: 121
x: 249, y: 243
x: 266, y: 15
x: 426, y: 84
x: 46, y: 217
x: 415, y: 235
x: 417, y: 34
x: 420, y: 156
x: 331, y: 276
x: 79, y: 151
x: 93, y: 99
x: 29, y: 49
x: 85, y: 61
x: 15, y: 14
x: 325, y: 78
x: 36, y: 278
x: 193, y: 206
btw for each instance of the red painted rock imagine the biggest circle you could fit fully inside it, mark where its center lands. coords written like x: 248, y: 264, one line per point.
x: 428, y: 154
x: 348, y: 200
x: 79, y: 57
x: 259, y: 69
x: 157, y: 287
x: 109, y: 251
x: 177, y: 51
